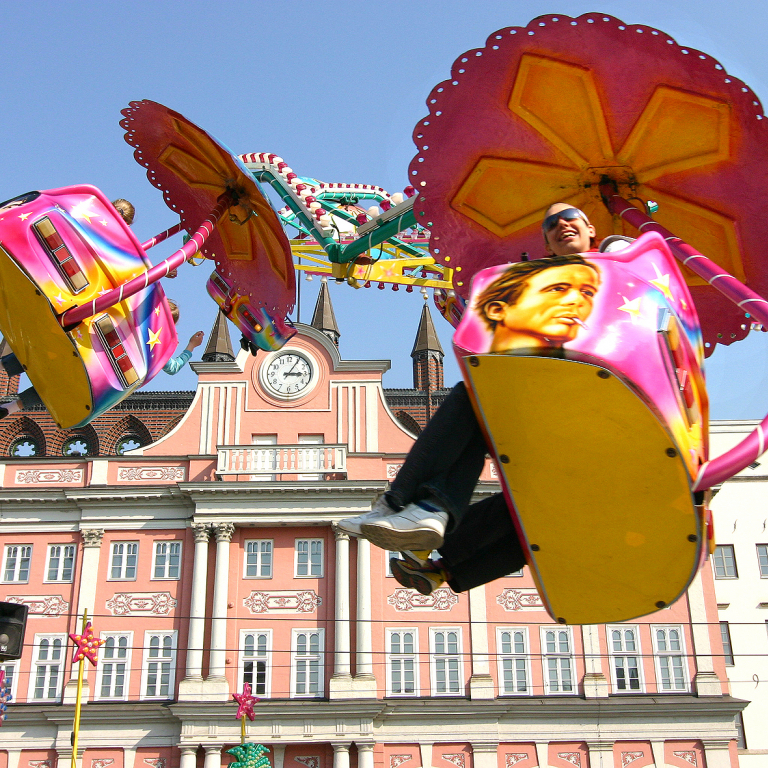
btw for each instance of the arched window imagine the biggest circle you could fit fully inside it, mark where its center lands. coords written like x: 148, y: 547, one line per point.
x: 75, y: 446
x: 24, y: 446
x: 127, y: 443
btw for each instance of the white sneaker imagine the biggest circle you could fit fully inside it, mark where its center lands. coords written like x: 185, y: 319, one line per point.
x: 418, y: 526
x: 379, y: 510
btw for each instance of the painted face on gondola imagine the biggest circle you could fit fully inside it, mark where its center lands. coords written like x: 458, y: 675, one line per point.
x: 549, y: 312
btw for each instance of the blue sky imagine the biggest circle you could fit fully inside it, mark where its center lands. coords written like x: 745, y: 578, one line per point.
x: 334, y: 88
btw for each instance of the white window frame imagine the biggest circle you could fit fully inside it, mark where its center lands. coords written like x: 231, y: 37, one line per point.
x: 266, y: 658
x: 257, y: 545
x: 718, y: 558
x: 621, y: 657
x: 516, y: 657
x: 309, y: 543
x: 560, y: 656
x: 436, y: 660
x: 395, y: 660
x: 60, y: 570
x: 296, y: 659
x: 660, y: 654
x: 124, y: 565
x: 762, y: 556
x: 50, y: 663
x: 104, y: 660
x: 13, y: 667
x: 148, y: 660
x: 21, y: 552
x: 168, y: 543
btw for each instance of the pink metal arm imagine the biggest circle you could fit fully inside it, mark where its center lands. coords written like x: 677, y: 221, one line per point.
x: 75, y: 315
x: 152, y: 242
x: 754, y: 445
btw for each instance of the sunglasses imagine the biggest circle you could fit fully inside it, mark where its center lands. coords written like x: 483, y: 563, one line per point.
x: 569, y: 214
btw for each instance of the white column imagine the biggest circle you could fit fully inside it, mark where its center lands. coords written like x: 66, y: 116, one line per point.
x: 212, y: 757
x: 278, y: 755
x: 188, y: 757
x: 542, y: 754
x: 365, y: 756
x: 86, y: 601
x: 706, y: 682
x: 480, y: 682
x: 129, y: 757
x: 216, y: 667
x: 595, y: 682
x: 600, y: 753
x: 657, y: 748
x: 484, y: 754
x: 340, y: 686
x: 13, y: 758
x: 716, y: 753
x: 340, y: 755
x: 197, y: 605
x: 364, y: 656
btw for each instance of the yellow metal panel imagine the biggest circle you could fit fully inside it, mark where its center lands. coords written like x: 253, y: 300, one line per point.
x: 600, y: 489
x: 51, y: 361
x: 560, y: 101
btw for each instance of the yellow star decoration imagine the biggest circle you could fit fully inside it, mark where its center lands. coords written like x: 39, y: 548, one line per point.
x: 154, y: 337
x: 676, y: 131
x: 662, y: 283
x: 157, y: 310
x: 104, y: 222
x: 82, y: 212
x: 24, y: 216
x: 632, y: 308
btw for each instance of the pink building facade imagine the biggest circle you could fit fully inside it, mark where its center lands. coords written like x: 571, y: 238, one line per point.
x: 210, y: 558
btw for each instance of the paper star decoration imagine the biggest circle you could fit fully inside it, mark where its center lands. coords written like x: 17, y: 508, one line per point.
x: 662, y: 283
x: 24, y: 216
x: 154, y: 337
x: 246, y: 702
x: 632, y: 308
x: 5, y: 696
x: 86, y: 645
x: 249, y: 756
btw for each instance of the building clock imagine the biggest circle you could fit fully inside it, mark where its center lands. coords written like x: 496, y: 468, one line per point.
x: 288, y: 374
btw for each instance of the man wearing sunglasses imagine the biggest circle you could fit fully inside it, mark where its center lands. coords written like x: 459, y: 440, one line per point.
x: 428, y: 504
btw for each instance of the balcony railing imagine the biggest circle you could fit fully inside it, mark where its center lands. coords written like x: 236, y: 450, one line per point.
x: 271, y: 461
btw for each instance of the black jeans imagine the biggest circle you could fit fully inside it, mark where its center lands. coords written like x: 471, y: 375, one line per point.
x: 446, y: 460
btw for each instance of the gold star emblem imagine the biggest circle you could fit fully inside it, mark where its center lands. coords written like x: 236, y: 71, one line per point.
x: 82, y: 212
x: 662, y: 283
x: 104, y: 222
x: 157, y: 310
x: 154, y: 337
x: 24, y: 216
x: 632, y: 308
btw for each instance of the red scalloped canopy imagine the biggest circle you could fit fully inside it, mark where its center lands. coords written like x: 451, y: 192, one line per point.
x: 193, y: 170
x: 543, y: 113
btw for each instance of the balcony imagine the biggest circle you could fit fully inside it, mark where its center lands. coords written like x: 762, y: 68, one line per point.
x: 273, y: 462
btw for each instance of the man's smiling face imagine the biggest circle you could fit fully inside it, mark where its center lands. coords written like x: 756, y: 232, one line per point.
x: 568, y: 235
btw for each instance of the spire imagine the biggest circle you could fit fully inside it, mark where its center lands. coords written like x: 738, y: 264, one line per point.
x: 323, y: 318
x: 219, y: 347
x: 427, y: 357
x: 426, y: 336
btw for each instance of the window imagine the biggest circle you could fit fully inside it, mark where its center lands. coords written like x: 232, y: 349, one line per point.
x: 167, y: 560
x: 25, y: 446
x: 254, y: 661
x: 16, y: 566
x: 446, y: 662
x: 557, y: 660
x: 11, y: 676
x: 741, y: 741
x: 127, y: 443
x: 61, y: 560
x: 264, y: 460
x: 159, y: 665
x: 725, y: 634
x: 75, y: 446
x: 114, y: 666
x: 307, y: 662
x: 624, y: 654
x: 48, y: 659
x: 309, y: 557
x: 125, y: 554
x: 402, y: 662
x: 512, y: 654
x: 724, y: 561
x: 258, y: 559
x: 669, y: 654
x: 762, y: 560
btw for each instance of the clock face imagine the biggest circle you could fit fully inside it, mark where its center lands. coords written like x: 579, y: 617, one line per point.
x: 288, y: 374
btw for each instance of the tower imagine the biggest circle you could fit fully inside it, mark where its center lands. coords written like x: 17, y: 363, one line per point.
x: 219, y: 347
x: 323, y: 317
x: 427, y: 355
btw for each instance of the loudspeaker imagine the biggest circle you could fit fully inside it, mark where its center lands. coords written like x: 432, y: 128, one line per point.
x: 13, y: 621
